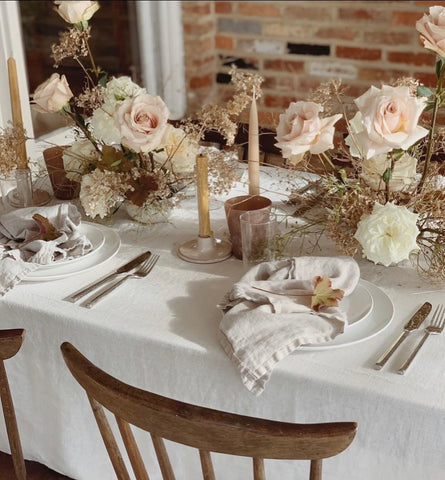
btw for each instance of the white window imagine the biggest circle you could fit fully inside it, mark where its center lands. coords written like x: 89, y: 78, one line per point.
x: 160, y: 44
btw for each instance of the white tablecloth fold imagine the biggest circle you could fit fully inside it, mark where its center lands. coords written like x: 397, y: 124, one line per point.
x: 264, y: 320
x: 18, y: 258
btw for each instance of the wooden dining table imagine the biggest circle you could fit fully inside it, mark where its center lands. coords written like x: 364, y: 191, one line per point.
x: 161, y: 333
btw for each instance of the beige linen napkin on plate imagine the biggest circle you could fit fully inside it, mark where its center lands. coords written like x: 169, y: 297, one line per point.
x: 263, y: 322
x: 18, y: 259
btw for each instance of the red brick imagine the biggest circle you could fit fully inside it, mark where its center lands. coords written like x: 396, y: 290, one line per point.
x: 362, y: 14
x: 223, y: 7
x: 412, y: 58
x: 196, y: 8
x: 374, y: 38
x: 380, y: 75
x: 336, y: 33
x: 268, y: 118
x: 358, y: 53
x: 195, y: 28
x: 197, y: 46
x: 427, y: 79
x: 301, y: 12
x: 277, y: 101
x: 425, y: 4
x: 258, y: 9
x: 405, y: 18
x: 284, y: 65
x: 283, y: 84
x: 202, y: 81
x: 223, y: 42
x: 199, y: 62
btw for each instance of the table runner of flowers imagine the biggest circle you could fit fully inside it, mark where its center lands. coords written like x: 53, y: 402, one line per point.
x: 382, y: 190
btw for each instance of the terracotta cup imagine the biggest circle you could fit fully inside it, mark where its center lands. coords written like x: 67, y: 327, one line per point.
x: 63, y: 188
x: 235, y: 207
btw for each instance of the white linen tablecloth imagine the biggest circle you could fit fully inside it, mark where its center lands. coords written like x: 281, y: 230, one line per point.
x: 161, y: 333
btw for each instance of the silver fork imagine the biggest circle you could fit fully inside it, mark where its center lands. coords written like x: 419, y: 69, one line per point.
x: 434, y: 328
x: 141, y: 272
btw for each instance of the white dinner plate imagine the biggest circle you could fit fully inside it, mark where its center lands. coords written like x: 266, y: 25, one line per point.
x: 96, y: 237
x: 357, y: 306
x: 107, y: 251
x: 379, y: 319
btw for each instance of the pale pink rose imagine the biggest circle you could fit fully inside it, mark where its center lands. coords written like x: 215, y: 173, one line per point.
x: 76, y: 12
x: 387, y: 120
x: 142, y: 121
x: 52, y: 95
x: 432, y: 30
x: 300, y: 129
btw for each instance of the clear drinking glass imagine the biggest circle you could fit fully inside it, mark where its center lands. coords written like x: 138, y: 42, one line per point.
x: 259, y: 233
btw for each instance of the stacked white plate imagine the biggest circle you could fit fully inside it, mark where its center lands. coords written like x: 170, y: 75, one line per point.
x: 105, y: 242
x: 369, y: 311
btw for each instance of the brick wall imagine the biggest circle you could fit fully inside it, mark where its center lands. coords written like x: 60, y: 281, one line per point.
x: 296, y: 45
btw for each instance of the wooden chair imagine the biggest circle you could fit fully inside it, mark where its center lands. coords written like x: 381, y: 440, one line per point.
x: 205, y: 429
x: 10, y: 343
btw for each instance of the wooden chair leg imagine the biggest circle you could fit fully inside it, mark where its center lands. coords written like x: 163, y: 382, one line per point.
x: 259, y: 472
x: 206, y: 465
x: 140, y: 472
x: 315, y: 470
x: 163, y: 460
x: 11, y: 425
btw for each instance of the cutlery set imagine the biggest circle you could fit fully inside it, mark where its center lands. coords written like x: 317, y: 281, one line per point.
x: 436, y: 326
x: 138, y: 267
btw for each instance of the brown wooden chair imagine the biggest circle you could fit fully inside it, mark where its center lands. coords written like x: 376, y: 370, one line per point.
x: 10, y: 343
x: 205, y: 429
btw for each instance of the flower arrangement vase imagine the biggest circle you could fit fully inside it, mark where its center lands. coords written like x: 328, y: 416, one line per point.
x: 63, y: 188
x: 235, y: 207
x: 150, y: 212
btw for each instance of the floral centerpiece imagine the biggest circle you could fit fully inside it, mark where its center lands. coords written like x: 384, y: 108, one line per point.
x: 380, y: 190
x: 126, y: 148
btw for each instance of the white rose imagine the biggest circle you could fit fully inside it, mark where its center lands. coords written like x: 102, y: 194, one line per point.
x: 77, y: 157
x: 120, y: 88
x: 388, y: 235
x: 387, y: 120
x: 432, y: 30
x: 52, y: 95
x: 142, y: 121
x: 76, y: 12
x: 180, y: 151
x: 300, y: 129
x: 403, y: 174
x: 103, y: 126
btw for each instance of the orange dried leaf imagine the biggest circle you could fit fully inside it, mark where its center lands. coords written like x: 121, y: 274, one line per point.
x: 324, y: 295
x: 47, y: 230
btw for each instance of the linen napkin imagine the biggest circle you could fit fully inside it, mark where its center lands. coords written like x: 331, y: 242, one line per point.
x: 264, y: 320
x: 18, y: 258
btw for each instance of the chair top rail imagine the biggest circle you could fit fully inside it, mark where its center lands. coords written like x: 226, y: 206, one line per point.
x: 204, y: 428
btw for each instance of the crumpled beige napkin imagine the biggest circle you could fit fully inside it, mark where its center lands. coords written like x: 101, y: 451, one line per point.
x: 259, y: 328
x: 18, y: 226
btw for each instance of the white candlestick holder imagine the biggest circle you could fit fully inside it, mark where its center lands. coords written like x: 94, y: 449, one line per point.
x: 205, y: 250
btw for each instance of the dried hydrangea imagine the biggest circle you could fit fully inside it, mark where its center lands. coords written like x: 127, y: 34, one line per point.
x: 12, y: 139
x: 73, y: 43
x: 102, y: 191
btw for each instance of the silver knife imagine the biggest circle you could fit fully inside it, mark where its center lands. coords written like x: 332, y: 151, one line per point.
x: 132, y: 264
x: 413, y: 324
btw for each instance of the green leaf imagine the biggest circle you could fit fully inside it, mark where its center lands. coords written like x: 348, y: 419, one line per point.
x: 423, y: 91
x: 439, y: 64
x: 103, y: 80
x: 387, y: 175
x: 397, y: 154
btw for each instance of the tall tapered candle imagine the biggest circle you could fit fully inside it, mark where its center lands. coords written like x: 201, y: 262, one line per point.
x: 22, y: 161
x: 202, y: 167
x: 254, y: 150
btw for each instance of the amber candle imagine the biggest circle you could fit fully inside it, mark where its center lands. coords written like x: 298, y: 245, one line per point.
x: 254, y: 150
x: 22, y: 161
x: 202, y: 168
